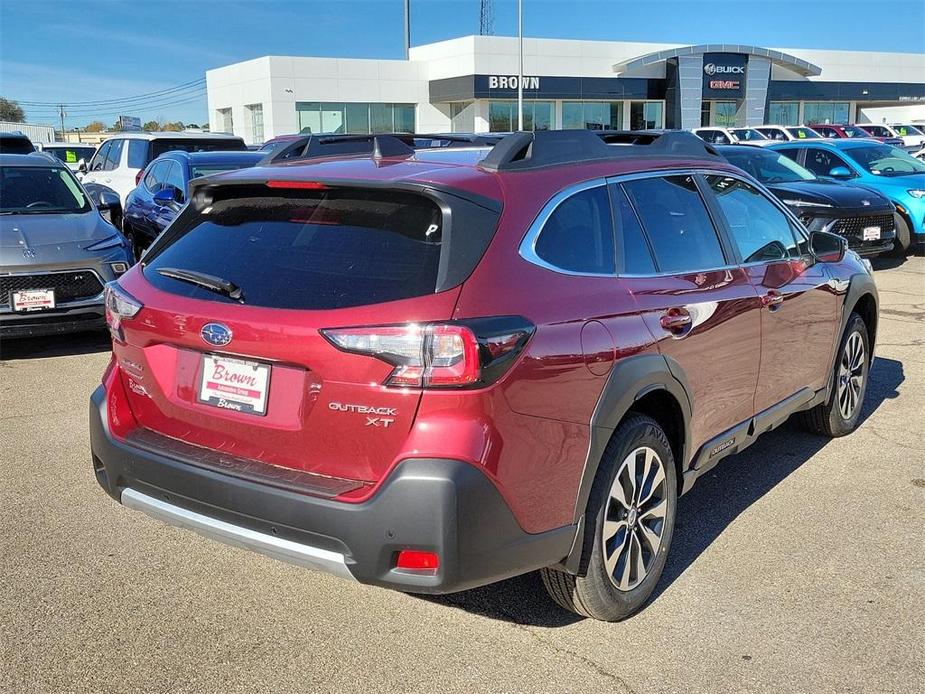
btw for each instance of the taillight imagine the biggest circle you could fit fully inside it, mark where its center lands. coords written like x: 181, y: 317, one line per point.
x: 138, y: 177
x: 469, y: 353
x: 120, y: 305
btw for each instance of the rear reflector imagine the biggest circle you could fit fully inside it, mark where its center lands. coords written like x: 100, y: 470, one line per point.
x: 414, y: 560
x: 301, y: 185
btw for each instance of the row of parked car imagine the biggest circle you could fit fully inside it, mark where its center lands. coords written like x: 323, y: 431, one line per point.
x: 868, y: 191
x: 909, y: 137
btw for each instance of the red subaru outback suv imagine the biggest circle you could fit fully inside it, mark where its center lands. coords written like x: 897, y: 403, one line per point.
x: 430, y: 371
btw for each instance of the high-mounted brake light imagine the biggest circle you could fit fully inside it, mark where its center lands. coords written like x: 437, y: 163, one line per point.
x: 119, y: 306
x: 443, y: 355
x: 301, y: 185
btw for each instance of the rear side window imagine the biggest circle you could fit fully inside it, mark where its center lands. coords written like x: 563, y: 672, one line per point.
x: 325, y: 250
x: 578, y: 236
x: 677, y: 223
x: 137, y: 154
x: 631, y: 243
x: 99, y: 159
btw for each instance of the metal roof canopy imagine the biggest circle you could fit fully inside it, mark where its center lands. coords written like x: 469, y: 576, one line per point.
x: 801, y: 67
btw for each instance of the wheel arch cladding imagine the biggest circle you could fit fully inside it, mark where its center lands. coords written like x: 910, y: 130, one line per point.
x: 646, y: 384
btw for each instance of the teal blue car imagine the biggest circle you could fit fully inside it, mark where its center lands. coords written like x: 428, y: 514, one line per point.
x: 888, y: 170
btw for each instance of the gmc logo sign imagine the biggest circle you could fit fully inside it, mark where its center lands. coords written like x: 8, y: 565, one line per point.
x: 714, y: 69
x: 724, y: 84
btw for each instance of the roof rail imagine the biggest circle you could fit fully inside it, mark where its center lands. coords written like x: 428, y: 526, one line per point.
x: 378, y: 145
x: 524, y: 151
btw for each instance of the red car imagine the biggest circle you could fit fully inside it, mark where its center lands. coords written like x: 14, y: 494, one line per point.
x: 429, y: 373
x: 843, y: 131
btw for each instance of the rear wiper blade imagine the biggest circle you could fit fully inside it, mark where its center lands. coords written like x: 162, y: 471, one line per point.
x: 211, y: 282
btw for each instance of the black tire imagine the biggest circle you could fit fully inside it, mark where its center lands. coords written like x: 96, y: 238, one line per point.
x: 903, y: 240
x: 595, y: 593
x: 828, y: 419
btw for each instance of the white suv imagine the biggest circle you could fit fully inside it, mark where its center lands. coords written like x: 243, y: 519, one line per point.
x: 786, y: 133
x: 120, y: 160
x: 731, y: 136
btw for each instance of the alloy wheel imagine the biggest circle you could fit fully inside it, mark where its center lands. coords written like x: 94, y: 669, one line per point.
x: 851, y: 376
x: 634, y: 520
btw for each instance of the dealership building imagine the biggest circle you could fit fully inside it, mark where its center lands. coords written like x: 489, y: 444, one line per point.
x: 469, y: 84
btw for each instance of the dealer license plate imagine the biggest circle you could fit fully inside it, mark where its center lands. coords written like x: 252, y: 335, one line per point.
x: 34, y: 300
x: 871, y: 233
x: 234, y: 384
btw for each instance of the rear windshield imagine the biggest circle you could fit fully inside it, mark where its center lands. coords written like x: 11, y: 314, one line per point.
x: 16, y: 145
x: 72, y: 155
x: 160, y: 146
x: 803, y: 133
x: 324, y: 250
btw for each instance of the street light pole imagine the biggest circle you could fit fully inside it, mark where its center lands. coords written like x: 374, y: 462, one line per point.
x: 520, y: 75
x: 407, y: 29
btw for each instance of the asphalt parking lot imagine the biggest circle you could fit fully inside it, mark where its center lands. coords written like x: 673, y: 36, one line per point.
x: 798, y: 566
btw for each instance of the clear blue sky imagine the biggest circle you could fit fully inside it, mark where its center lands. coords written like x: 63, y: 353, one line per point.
x: 64, y: 50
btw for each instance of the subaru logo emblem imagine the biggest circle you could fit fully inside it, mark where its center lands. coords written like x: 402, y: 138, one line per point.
x: 216, y: 334
x: 28, y: 253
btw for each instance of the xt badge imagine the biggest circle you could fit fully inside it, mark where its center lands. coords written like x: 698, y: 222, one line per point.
x: 385, y: 416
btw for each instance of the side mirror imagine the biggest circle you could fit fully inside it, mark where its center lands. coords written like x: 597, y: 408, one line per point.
x: 82, y: 165
x: 841, y: 173
x: 110, y: 202
x: 166, y: 197
x: 827, y: 247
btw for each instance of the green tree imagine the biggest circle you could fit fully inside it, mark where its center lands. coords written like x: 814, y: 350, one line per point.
x: 174, y: 127
x: 194, y: 126
x: 96, y: 126
x: 151, y: 126
x: 11, y: 111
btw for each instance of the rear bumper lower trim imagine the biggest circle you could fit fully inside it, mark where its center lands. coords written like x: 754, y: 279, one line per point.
x: 229, y: 534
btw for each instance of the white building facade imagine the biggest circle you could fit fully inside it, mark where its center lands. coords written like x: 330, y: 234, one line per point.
x: 470, y: 84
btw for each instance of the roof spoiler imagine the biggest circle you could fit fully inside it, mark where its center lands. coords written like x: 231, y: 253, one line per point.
x: 524, y: 151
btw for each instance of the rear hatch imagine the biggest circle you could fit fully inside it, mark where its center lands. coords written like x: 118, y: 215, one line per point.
x: 237, y: 363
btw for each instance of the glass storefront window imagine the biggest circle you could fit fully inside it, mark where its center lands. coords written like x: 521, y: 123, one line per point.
x: 784, y: 113
x: 538, y: 115
x: 592, y: 115
x: 355, y: 118
x: 646, y: 115
x: 256, y: 115
x: 462, y: 117
x: 826, y: 112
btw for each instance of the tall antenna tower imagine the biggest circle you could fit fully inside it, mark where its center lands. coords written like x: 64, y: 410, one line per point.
x: 486, y: 18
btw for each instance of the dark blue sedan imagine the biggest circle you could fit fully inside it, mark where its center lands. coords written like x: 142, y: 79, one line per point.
x: 163, y: 187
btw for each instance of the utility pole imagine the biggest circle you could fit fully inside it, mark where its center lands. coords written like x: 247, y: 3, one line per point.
x: 520, y: 75
x: 62, y: 114
x: 407, y: 29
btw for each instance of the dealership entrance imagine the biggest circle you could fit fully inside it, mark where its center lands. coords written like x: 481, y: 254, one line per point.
x: 719, y: 113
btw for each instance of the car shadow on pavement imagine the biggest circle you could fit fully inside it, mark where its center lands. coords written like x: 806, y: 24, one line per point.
x: 55, y: 346
x: 717, y: 499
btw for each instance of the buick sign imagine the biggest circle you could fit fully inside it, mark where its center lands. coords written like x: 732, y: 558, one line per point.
x: 714, y: 69
x: 215, y: 334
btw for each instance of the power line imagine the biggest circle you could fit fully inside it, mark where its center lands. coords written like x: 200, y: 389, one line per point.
x: 102, y: 102
x: 169, y: 100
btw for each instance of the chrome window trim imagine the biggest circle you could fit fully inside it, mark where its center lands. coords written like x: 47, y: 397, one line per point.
x: 527, y: 249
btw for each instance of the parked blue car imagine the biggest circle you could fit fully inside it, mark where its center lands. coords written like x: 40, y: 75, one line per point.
x: 164, y: 185
x: 890, y: 171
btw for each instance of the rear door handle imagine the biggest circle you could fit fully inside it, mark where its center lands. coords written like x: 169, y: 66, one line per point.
x: 677, y: 321
x: 772, y: 300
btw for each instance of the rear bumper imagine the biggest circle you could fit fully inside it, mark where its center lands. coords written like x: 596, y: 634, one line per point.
x: 438, y: 505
